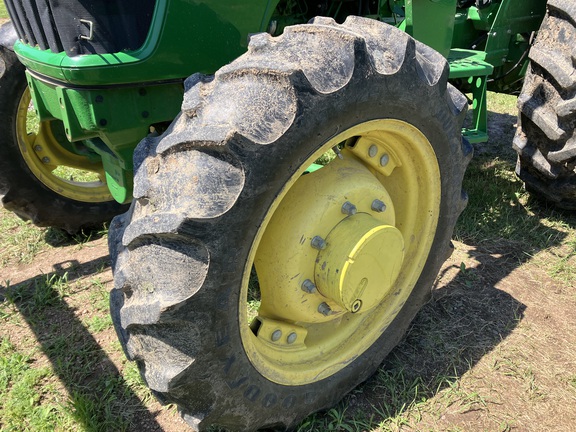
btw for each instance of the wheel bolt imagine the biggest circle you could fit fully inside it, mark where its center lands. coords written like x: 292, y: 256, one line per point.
x: 378, y: 206
x: 336, y: 150
x: 372, y: 151
x: 276, y: 335
x: 384, y: 160
x: 46, y: 160
x: 308, y: 286
x: 324, y: 309
x: 318, y: 243
x: 38, y: 148
x: 348, y: 208
x: 291, y: 338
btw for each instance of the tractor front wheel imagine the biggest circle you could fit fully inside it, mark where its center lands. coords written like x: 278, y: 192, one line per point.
x: 258, y: 278
x: 40, y: 179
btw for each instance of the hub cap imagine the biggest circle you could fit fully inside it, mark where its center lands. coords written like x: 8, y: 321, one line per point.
x: 360, y: 263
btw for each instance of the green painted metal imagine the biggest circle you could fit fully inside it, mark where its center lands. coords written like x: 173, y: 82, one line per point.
x: 108, y: 102
x: 471, y: 66
x: 117, y: 118
x: 185, y: 37
x: 432, y: 22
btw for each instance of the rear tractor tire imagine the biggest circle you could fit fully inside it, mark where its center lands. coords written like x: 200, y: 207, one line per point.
x: 253, y: 286
x: 30, y: 184
x: 545, y: 140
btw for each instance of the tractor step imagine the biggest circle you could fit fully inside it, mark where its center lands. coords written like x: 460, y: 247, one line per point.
x: 471, y: 65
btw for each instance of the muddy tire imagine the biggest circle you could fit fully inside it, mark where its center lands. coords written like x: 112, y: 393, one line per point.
x: 545, y: 139
x: 233, y: 183
x: 27, y: 185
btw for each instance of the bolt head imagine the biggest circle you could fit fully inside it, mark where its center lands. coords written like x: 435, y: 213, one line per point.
x: 349, y: 209
x: 318, y: 243
x: 372, y: 150
x: 324, y: 309
x: 384, y: 160
x: 308, y: 286
x: 46, y: 160
x: 38, y: 148
x: 292, y: 338
x: 378, y: 206
x: 276, y: 335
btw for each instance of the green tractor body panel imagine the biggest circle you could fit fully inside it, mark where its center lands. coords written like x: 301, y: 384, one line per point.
x: 111, y: 100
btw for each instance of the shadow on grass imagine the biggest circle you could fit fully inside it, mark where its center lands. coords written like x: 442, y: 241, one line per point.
x: 100, y: 398
x: 57, y: 237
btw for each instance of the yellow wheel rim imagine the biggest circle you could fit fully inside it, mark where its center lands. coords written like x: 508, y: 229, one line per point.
x: 53, y: 165
x: 340, y: 251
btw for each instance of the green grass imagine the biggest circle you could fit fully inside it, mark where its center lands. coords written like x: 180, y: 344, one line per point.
x: 20, y: 240
x: 21, y: 390
x: 56, y: 375
x: 3, y: 11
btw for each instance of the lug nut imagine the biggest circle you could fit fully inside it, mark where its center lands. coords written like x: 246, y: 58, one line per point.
x: 308, y: 286
x: 384, y: 160
x: 372, y: 151
x: 38, y: 148
x: 318, y: 243
x: 276, y: 335
x: 46, y: 160
x: 324, y: 309
x: 348, y: 208
x: 291, y: 338
x: 378, y: 206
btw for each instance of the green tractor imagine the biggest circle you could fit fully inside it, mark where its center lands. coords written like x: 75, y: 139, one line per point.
x: 294, y: 169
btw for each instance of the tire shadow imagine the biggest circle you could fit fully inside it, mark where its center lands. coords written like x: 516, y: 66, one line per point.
x: 99, y: 396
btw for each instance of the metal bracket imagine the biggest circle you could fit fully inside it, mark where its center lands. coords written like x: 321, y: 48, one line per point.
x: 90, y: 25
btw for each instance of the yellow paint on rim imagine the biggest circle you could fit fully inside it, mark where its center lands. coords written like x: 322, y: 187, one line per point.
x: 43, y: 154
x: 366, y: 266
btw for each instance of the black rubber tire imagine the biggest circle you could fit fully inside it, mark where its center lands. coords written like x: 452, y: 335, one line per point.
x: 545, y: 140
x: 204, y: 187
x: 21, y: 191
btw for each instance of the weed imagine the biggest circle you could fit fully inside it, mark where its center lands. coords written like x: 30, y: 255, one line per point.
x: 42, y: 292
x: 21, y: 240
x: 98, y: 323
x: 99, y: 409
x: 21, y: 391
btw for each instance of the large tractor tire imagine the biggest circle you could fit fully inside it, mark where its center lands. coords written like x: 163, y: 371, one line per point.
x: 254, y: 287
x: 545, y: 139
x: 30, y: 183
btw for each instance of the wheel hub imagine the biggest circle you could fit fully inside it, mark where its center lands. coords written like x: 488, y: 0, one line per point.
x: 331, y: 238
x: 360, y: 263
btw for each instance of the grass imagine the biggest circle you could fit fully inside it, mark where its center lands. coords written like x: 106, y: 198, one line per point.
x: 3, y: 11
x: 479, y: 356
x: 54, y: 374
